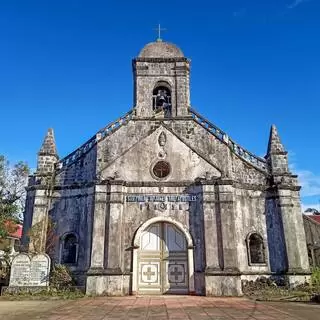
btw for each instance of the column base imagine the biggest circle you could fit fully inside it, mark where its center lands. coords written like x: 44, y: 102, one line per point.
x: 295, y: 280
x: 109, y: 285
x: 223, y: 285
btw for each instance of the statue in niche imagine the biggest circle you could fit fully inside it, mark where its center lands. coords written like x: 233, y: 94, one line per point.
x: 162, y: 101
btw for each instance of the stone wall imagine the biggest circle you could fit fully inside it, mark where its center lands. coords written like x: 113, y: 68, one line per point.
x: 312, y: 229
x: 250, y: 217
x: 71, y: 211
x: 82, y: 170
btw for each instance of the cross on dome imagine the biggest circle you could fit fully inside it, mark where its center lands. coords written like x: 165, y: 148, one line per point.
x: 159, y: 29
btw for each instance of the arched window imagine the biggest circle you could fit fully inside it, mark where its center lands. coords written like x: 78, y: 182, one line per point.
x: 256, y: 251
x: 161, y: 98
x: 69, y: 250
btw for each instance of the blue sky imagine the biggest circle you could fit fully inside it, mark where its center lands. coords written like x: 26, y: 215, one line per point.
x: 67, y: 65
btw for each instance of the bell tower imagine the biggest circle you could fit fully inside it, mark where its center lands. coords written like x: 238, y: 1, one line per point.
x: 161, y: 81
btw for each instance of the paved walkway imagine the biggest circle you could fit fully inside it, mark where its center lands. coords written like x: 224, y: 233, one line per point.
x: 157, y: 308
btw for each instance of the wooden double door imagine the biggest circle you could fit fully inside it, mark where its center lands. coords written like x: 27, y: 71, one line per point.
x: 163, y: 260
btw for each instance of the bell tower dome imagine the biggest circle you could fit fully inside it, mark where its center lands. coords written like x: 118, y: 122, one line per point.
x: 161, y: 81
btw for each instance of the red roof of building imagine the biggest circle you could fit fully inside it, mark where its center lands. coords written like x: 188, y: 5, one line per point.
x: 315, y: 217
x: 17, y: 233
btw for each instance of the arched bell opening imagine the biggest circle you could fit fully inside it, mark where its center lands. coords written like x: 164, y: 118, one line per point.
x: 161, y: 99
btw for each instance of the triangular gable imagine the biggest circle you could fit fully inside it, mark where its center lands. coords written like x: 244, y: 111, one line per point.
x: 136, y: 163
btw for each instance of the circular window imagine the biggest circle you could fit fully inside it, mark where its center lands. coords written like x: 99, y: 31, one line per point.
x: 161, y: 169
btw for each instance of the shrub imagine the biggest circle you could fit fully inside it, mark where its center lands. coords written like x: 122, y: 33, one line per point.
x: 315, y: 277
x: 61, y: 277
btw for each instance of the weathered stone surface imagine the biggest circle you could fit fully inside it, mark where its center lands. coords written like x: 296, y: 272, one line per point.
x: 312, y: 229
x: 160, y: 49
x: 235, y: 194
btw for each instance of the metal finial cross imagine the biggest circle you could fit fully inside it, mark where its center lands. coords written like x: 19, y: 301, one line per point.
x: 159, y: 29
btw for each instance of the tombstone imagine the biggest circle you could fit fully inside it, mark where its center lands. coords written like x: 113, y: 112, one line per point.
x: 30, y: 271
x: 40, y: 269
x: 20, y: 270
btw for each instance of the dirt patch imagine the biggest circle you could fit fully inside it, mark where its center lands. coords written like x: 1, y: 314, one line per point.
x: 14, y: 310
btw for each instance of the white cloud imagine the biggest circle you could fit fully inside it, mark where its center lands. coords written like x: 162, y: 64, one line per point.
x: 309, y: 182
x: 296, y: 3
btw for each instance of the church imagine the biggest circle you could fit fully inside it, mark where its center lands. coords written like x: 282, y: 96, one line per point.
x: 162, y: 201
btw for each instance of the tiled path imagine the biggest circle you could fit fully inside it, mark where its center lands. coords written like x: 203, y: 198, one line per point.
x: 157, y: 308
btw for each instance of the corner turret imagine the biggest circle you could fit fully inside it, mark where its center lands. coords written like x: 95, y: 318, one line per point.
x: 47, y: 156
x: 277, y: 157
x: 284, y: 199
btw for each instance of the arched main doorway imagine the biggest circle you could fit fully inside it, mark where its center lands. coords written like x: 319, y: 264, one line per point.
x: 162, y: 260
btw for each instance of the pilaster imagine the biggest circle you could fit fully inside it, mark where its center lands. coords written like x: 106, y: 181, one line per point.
x: 98, y: 229
x: 212, y: 228
x: 39, y: 219
x: 114, y: 241
x: 294, y: 234
x: 225, y: 192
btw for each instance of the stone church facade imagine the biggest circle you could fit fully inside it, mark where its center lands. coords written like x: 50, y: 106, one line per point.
x: 163, y: 201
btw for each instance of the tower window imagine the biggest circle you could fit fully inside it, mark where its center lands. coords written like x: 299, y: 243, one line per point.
x: 161, y: 100
x: 256, y: 252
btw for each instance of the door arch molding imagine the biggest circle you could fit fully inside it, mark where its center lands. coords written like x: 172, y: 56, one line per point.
x: 146, y: 224
x: 136, y: 247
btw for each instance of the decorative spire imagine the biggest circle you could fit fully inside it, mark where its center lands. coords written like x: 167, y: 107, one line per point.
x: 48, y: 146
x: 275, y: 146
x: 277, y: 157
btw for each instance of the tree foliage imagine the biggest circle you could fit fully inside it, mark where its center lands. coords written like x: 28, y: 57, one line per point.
x: 312, y: 211
x: 61, y: 277
x: 13, y: 180
x: 43, y: 237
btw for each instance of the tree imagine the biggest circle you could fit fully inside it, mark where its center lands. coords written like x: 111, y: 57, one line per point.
x: 313, y: 211
x: 36, y: 237
x: 13, y: 180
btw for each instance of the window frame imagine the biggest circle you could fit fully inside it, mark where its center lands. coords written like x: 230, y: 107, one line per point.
x: 62, y: 246
x: 250, y: 263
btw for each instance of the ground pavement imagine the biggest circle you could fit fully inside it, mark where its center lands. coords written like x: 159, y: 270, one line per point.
x: 157, y: 308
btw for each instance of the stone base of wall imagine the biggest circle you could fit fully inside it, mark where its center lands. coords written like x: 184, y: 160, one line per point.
x: 199, y: 284
x: 110, y: 285
x: 292, y: 279
x: 223, y: 285
x: 215, y: 285
x: 254, y: 277
x: 295, y: 280
x: 81, y: 278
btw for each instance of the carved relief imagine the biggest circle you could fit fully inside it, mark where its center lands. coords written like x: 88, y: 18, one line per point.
x: 162, y: 139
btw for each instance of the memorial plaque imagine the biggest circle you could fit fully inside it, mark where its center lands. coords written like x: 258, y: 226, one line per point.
x: 30, y: 271
x: 40, y: 268
x: 20, y: 270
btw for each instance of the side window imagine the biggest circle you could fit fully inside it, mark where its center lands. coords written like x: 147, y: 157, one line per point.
x: 256, y: 250
x: 69, y: 249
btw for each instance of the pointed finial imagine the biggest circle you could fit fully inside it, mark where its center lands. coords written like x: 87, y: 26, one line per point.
x: 275, y: 146
x: 48, y: 146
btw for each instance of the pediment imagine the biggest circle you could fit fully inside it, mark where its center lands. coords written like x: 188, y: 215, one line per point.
x: 137, y: 163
